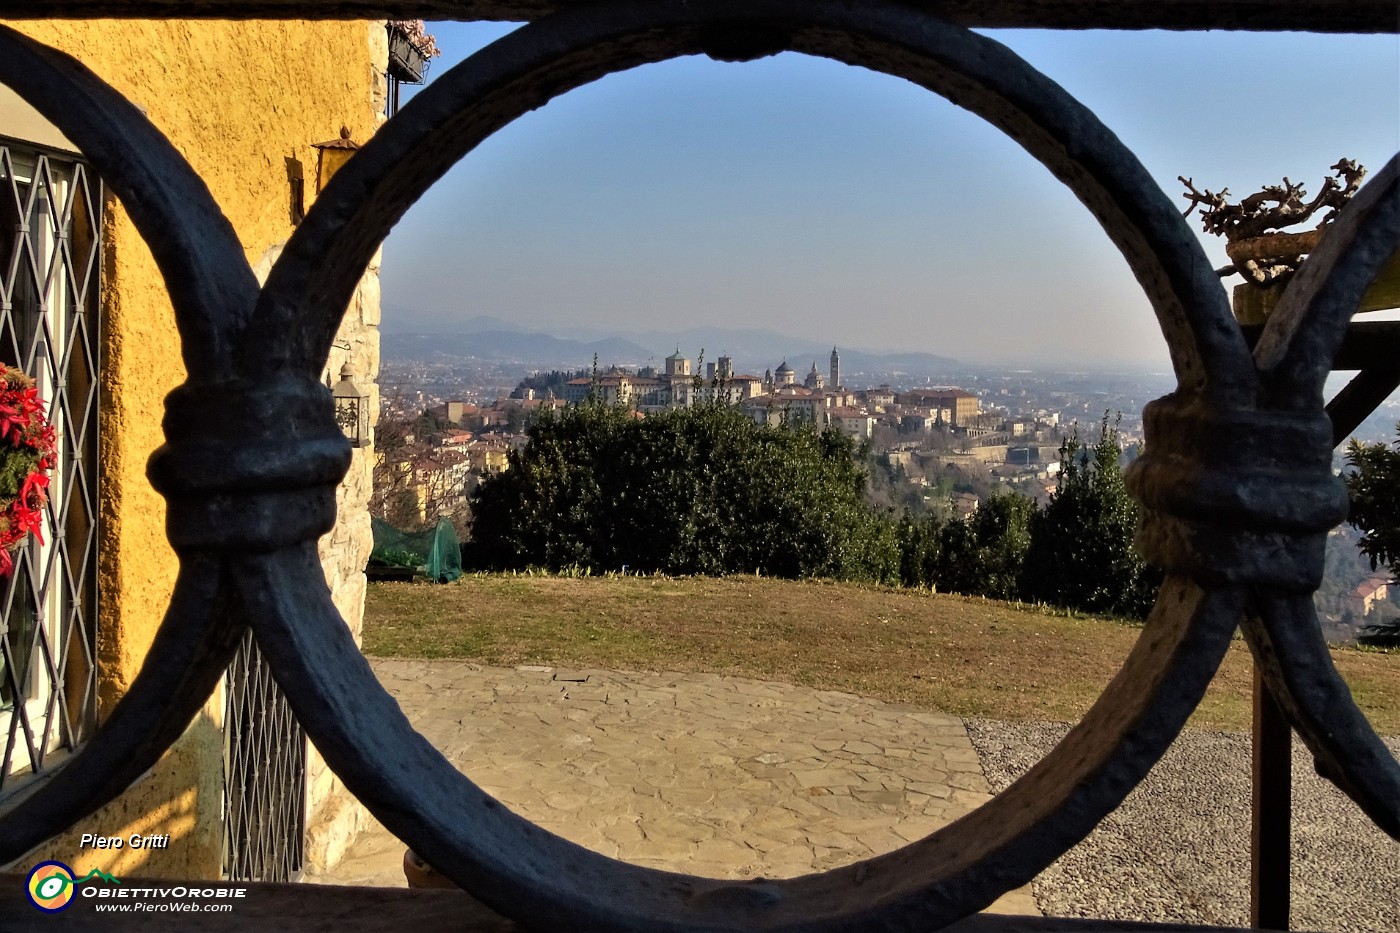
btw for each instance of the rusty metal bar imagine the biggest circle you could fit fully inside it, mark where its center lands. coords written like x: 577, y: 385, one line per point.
x: 1333, y: 16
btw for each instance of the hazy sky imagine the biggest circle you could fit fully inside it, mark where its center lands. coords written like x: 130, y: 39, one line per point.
x: 803, y: 195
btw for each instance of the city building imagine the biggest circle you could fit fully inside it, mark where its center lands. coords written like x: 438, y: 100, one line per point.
x: 951, y: 407
x: 853, y: 421
x: 677, y: 387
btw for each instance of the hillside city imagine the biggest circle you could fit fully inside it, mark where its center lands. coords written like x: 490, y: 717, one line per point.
x: 936, y: 443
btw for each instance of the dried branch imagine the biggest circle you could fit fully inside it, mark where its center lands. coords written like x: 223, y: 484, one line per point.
x: 1213, y: 200
x: 1257, y: 250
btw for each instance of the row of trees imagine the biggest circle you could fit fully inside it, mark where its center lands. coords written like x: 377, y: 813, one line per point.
x: 706, y: 491
x: 688, y: 491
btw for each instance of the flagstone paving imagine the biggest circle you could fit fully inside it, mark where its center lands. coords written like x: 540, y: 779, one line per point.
x: 714, y: 776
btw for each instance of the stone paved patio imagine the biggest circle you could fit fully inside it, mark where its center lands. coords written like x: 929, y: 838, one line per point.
x: 710, y: 775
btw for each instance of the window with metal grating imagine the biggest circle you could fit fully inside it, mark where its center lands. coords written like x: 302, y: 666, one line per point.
x: 264, y: 774
x: 50, y: 266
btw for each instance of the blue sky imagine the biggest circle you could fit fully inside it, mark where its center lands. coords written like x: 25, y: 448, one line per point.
x: 803, y: 195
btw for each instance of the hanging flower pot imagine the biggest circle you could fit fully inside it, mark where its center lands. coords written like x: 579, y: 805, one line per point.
x: 28, y: 454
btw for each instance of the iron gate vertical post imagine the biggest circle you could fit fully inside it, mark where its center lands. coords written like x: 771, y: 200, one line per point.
x: 1271, y: 756
x: 1271, y: 815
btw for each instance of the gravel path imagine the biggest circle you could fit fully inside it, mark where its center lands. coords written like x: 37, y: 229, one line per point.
x: 1178, y: 849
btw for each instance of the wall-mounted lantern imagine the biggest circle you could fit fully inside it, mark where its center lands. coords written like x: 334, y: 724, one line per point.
x: 331, y: 155
x: 351, y: 408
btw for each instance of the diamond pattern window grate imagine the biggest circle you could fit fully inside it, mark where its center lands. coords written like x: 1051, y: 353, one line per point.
x: 264, y: 774
x: 50, y: 249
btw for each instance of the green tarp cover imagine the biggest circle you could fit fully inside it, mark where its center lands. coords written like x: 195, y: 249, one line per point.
x: 435, y: 553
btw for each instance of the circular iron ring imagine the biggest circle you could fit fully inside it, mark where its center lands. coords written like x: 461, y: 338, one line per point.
x: 543, y: 880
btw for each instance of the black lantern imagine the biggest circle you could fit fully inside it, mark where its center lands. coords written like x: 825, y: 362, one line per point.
x: 351, y: 408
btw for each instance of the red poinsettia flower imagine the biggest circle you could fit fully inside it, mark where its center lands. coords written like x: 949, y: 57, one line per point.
x: 29, y: 505
x: 12, y: 421
x: 25, y: 432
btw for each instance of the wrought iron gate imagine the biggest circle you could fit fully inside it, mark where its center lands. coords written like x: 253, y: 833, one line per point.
x: 264, y: 774
x: 1236, y: 480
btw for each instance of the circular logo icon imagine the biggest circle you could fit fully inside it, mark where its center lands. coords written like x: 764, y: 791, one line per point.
x: 50, y: 886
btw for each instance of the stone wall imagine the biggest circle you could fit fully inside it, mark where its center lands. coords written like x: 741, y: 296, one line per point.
x: 334, y: 816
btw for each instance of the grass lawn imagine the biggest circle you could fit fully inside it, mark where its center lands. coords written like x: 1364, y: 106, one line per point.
x: 970, y: 657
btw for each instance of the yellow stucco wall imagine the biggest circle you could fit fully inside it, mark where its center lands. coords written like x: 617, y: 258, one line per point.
x: 244, y: 102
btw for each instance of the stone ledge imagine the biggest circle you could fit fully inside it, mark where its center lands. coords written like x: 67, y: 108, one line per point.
x: 277, y: 908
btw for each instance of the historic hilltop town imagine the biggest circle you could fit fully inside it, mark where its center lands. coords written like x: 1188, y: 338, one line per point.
x: 435, y: 449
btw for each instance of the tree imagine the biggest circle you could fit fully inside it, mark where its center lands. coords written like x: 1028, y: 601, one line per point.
x: 1374, y: 486
x: 980, y: 555
x: 1081, y: 553
x: 956, y: 569
x: 431, y: 421
x: 919, y: 545
x: 700, y: 490
x: 1001, y: 528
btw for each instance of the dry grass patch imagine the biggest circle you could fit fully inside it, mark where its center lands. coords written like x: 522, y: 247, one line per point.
x: 970, y: 657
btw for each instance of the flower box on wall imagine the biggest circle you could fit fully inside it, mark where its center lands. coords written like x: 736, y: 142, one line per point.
x: 406, y: 61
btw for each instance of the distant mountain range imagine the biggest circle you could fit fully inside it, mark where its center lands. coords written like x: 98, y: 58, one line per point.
x: 490, y: 339
x: 509, y: 346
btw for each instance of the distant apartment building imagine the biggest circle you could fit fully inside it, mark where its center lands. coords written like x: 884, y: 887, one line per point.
x: 790, y: 404
x: 576, y: 390
x: 948, y: 406
x: 534, y: 406
x: 455, y: 440
x: 488, y: 457
x: 878, y: 399
x: 853, y: 421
